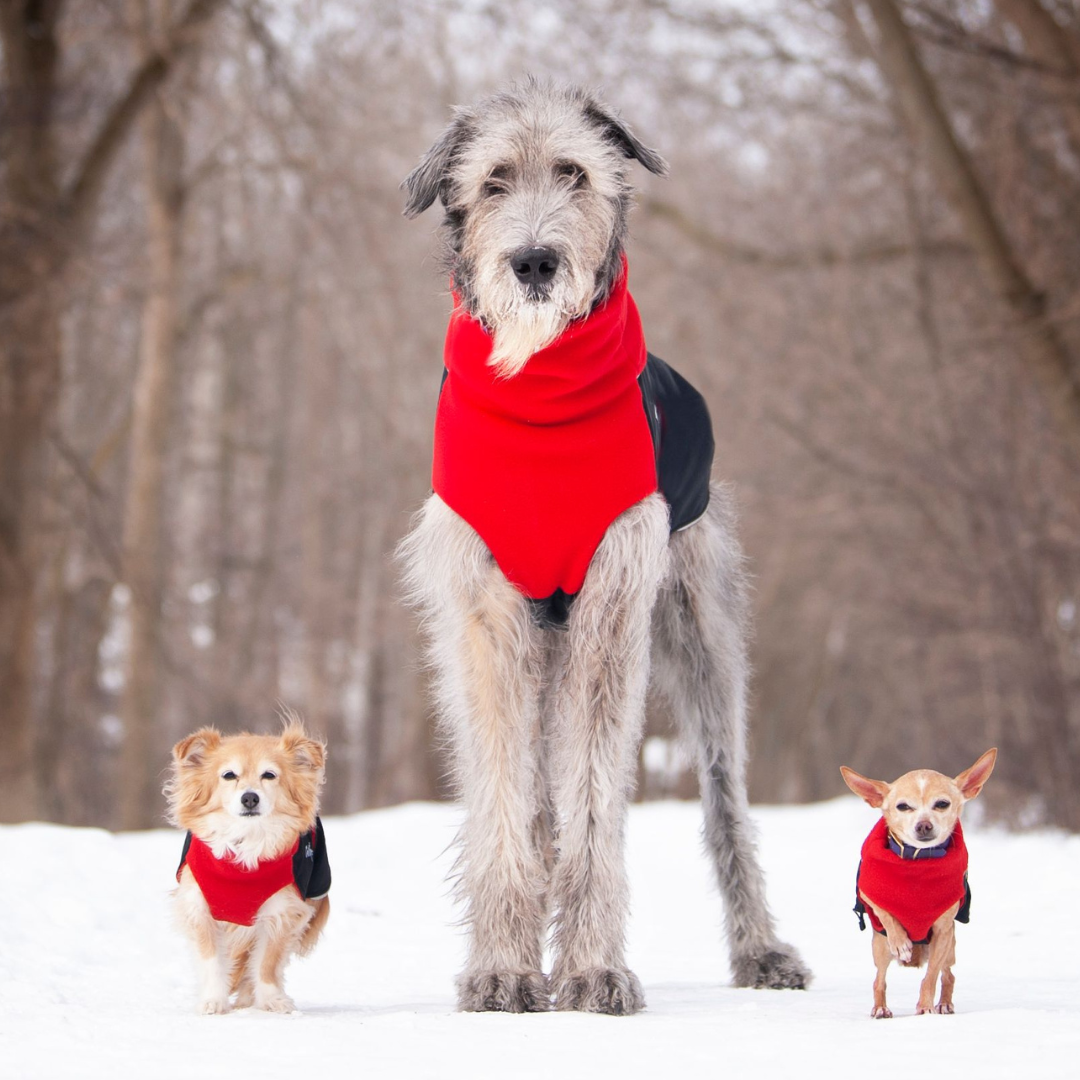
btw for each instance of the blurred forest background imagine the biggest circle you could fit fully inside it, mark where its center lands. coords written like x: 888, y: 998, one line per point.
x: 220, y: 348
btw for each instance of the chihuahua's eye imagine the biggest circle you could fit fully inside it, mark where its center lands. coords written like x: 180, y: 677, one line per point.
x: 268, y: 775
x: 941, y: 804
x: 230, y: 775
x: 902, y: 806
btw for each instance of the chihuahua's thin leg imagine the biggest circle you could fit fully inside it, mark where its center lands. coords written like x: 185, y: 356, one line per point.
x: 941, y: 957
x: 882, y: 959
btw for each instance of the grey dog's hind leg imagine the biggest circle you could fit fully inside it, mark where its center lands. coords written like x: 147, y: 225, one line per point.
x: 487, y: 655
x: 596, y: 721
x: 701, y: 669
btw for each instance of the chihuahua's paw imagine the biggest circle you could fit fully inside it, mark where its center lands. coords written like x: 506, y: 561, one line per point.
x: 881, y: 1012
x: 900, y: 948
x: 613, y: 991
x: 944, y: 1008
x: 496, y: 991
x: 213, y: 1006
x: 779, y: 968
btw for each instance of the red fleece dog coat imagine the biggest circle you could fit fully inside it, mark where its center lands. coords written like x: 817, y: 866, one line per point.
x: 234, y: 894
x: 914, y: 885
x: 541, y: 463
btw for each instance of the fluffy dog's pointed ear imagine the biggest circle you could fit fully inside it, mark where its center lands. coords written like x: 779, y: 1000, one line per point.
x: 304, y: 751
x: 971, y: 781
x: 429, y: 179
x: 873, y: 791
x: 191, y: 752
x: 618, y: 133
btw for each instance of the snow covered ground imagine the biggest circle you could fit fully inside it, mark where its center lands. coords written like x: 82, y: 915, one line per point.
x: 94, y: 982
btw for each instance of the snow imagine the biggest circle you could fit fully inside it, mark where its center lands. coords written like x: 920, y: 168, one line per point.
x: 94, y: 981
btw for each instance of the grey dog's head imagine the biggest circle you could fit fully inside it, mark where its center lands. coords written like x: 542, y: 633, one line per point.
x: 535, y: 182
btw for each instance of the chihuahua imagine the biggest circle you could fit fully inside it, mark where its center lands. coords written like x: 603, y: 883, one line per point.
x: 254, y: 875
x: 912, y: 880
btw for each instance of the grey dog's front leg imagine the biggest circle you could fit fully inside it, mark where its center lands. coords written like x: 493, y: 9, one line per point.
x: 487, y: 655
x: 700, y: 667
x: 598, y: 713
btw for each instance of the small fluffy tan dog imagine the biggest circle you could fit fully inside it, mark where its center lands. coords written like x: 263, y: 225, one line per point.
x: 912, y: 880
x: 254, y: 874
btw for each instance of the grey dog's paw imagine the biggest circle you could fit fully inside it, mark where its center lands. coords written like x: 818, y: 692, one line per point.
x: 778, y: 968
x: 615, y: 991
x: 502, y: 991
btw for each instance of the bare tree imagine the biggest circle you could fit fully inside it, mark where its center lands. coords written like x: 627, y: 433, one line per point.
x: 48, y: 207
x: 1041, y: 345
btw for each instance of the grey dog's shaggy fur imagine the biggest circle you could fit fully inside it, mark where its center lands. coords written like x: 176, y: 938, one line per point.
x: 544, y: 723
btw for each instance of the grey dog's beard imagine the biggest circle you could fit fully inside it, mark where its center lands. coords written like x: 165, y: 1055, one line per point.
x: 520, y: 326
x: 531, y: 328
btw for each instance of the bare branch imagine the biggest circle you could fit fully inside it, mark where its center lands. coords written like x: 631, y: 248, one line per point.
x: 89, y: 176
x: 882, y: 251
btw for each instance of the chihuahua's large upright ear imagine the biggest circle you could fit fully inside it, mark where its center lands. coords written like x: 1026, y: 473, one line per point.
x: 429, y: 179
x: 873, y: 791
x: 191, y: 752
x: 618, y: 133
x: 971, y: 781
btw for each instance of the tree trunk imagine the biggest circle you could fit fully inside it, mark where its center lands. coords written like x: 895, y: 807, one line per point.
x: 153, y: 394
x: 41, y: 225
x: 29, y: 372
x: 1040, y: 345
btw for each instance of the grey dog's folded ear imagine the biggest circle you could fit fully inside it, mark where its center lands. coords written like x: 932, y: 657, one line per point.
x: 429, y: 179
x: 620, y: 134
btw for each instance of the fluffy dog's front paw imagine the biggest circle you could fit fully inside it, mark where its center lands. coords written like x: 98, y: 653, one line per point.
x: 501, y: 991
x: 212, y: 1006
x: 274, y: 1000
x: 614, y: 991
x: 778, y: 968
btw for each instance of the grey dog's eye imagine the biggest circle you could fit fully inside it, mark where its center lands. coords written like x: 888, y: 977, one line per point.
x: 230, y: 775
x: 569, y: 170
x: 496, y: 183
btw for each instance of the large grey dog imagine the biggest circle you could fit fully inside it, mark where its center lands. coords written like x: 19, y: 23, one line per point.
x: 544, y: 716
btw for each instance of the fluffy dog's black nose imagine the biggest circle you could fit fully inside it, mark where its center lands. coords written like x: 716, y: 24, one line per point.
x: 249, y: 800
x: 535, y: 265
x: 924, y: 829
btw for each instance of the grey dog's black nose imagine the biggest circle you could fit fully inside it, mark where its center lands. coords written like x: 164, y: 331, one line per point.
x: 535, y: 265
x: 249, y: 800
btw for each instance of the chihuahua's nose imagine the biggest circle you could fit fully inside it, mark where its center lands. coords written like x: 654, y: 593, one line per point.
x: 924, y: 830
x: 249, y: 800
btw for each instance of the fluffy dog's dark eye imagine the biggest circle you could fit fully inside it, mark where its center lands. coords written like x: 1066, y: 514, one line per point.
x: 941, y: 804
x: 902, y: 806
x: 269, y: 775
x: 568, y: 170
x: 496, y: 183
x: 230, y: 775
